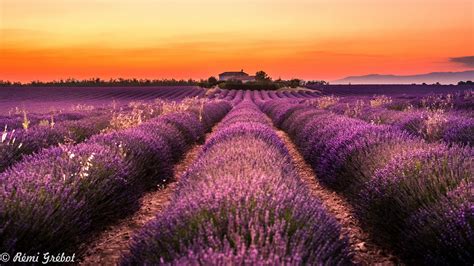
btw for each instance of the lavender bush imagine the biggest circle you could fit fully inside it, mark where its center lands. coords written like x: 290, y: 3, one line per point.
x: 18, y: 143
x: 16, y: 120
x: 432, y: 124
x: 443, y: 233
x: 241, y: 203
x: 51, y: 201
x: 174, y: 139
x: 410, y: 181
x: 188, y: 124
x: 149, y: 156
x: 460, y: 131
x: 393, y: 179
x: 213, y: 113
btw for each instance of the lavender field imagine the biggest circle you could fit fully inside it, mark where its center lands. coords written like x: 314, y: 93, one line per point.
x: 336, y: 175
x: 51, y: 99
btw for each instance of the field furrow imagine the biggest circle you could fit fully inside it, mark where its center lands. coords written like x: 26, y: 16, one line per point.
x: 61, y: 195
x: 241, y: 202
x: 113, y: 243
x: 412, y: 196
x: 363, y: 247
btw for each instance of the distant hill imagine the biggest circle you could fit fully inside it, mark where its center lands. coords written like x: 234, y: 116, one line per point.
x: 429, y: 78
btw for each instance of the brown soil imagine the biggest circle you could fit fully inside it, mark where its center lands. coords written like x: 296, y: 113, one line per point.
x: 114, y: 241
x: 365, y: 251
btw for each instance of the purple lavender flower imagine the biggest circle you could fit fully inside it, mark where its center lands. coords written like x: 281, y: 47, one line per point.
x: 444, y: 232
x: 188, y: 124
x: 24, y: 142
x: 241, y: 202
x: 410, y: 181
x: 150, y: 156
x: 56, y: 196
x: 404, y: 189
x: 460, y: 131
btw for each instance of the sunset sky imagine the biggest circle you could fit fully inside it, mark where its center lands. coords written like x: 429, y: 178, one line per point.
x: 310, y: 39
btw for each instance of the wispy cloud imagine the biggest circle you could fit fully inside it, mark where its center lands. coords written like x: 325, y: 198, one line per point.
x: 464, y: 60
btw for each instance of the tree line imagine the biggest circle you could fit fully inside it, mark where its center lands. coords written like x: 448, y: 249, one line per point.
x: 97, y: 82
x: 262, y: 82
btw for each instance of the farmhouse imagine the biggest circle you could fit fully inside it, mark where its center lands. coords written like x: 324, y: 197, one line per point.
x: 238, y: 75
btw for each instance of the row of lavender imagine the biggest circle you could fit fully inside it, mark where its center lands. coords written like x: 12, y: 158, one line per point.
x: 401, y: 91
x: 237, y: 96
x: 440, y: 123
x: 460, y: 100
x: 430, y: 125
x: 51, y: 201
x: 241, y: 203
x: 21, y: 119
x: 17, y: 117
x: 85, y: 93
x: 457, y: 99
x: 17, y: 143
x: 41, y: 99
x: 416, y: 197
x: 73, y: 127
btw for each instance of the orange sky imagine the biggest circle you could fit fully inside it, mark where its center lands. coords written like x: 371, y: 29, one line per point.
x: 310, y: 39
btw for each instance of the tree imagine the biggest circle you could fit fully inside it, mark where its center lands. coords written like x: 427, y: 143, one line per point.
x: 212, y: 81
x: 262, y: 76
x: 463, y: 83
x: 318, y: 82
x: 295, y: 83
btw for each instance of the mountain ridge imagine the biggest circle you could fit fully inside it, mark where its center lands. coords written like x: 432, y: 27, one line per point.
x: 432, y: 77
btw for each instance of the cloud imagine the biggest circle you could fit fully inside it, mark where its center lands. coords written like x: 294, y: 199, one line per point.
x: 464, y: 60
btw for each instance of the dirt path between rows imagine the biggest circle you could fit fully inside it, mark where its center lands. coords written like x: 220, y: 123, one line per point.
x: 365, y: 251
x: 114, y: 241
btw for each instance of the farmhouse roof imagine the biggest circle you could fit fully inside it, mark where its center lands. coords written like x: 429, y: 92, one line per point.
x: 234, y: 73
